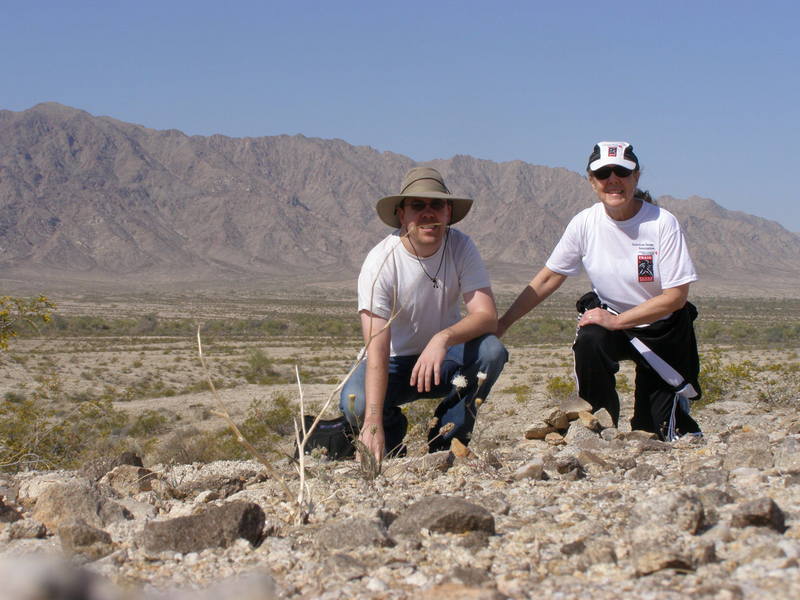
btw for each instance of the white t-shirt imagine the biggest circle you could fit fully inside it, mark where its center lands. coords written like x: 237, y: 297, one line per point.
x: 422, y: 309
x: 628, y: 262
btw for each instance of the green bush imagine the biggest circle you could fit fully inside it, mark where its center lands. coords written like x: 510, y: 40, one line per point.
x: 719, y: 380
x: 266, y: 424
x: 521, y: 392
x: 148, y: 423
x: 261, y: 370
x: 17, y: 314
x: 559, y: 388
x: 33, y: 434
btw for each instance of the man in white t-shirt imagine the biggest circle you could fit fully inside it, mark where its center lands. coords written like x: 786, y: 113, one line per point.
x: 419, y: 346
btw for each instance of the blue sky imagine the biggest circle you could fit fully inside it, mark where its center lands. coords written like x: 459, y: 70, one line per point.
x: 708, y: 92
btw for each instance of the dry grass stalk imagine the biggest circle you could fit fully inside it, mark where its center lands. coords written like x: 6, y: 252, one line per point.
x: 223, y: 412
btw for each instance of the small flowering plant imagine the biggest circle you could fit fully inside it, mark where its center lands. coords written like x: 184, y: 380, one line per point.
x: 459, y: 382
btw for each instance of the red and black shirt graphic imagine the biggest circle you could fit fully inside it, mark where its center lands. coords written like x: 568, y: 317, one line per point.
x: 645, y: 267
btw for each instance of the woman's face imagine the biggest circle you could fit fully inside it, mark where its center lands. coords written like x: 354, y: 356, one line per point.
x: 616, y: 194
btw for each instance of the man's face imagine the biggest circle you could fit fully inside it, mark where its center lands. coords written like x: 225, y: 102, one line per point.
x: 429, y: 218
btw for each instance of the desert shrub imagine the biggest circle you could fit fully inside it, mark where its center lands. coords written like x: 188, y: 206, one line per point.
x: 187, y: 445
x: 521, y: 392
x: 82, y: 396
x: 148, y: 423
x: 33, y: 434
x: 260, y: 369
x: 559, y: 388
x: 265, y: 422
x: 14, y: 397
x: 708, y: 331
x: 17, y: 314
x: 781, y: 385
x: 264, y: 426
x: 146, y: 387
x: 719, y: 380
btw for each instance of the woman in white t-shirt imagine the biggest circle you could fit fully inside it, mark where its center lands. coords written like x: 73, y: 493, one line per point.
x: 636, y: 258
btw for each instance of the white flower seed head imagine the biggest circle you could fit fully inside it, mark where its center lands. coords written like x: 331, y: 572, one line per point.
x: 481, y: 376
x: 447, y: 428
x: 460, y: 382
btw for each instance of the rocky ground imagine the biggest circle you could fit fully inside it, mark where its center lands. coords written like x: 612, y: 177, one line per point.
x: 589, y: 512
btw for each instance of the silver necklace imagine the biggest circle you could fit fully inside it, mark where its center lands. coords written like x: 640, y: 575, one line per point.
x: 435, y: 278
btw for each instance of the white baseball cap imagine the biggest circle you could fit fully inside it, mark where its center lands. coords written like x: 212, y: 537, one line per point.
x: 612, y: 153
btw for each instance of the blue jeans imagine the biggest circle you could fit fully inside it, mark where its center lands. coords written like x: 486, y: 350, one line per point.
x: 485, y: 354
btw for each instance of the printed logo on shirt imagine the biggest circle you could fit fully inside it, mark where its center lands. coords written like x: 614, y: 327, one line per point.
x: 645, y: 267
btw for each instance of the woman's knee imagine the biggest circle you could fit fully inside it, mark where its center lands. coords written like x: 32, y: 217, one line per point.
x: 590, y: 340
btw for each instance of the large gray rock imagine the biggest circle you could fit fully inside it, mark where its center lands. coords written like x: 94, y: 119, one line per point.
x: 762, y: 512
x: 80, y: 538
x: 215, y: 526
x: 573, y: 405
x: 129, y: 480
x: 225, y: 478
x: 446, y: 514
x: 653, y: 559
x: 787, y: 455
x: 531, y: 470
x: 577, y: 433
x: 682, y: 510
x: 604, y: 419
x: 352, y: 533
x: 707, y: 476
x: 95, y: 469
x: 557, y: 418
x: 538, y: 430
x: 748, y: 449
x: 63, y: 503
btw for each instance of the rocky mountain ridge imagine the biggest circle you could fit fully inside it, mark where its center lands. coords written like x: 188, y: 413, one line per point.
x: 94, y: 198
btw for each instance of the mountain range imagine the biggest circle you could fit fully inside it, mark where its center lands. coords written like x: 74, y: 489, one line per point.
x: 87, y: 198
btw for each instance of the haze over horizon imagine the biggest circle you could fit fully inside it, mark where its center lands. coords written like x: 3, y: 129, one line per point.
x: 704, y: 93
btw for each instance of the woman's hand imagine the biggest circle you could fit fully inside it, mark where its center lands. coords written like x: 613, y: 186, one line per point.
x: 600, y: 316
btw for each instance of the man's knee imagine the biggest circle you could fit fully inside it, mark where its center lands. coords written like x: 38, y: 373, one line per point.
x: 492, y: 352
x: 351, y: 403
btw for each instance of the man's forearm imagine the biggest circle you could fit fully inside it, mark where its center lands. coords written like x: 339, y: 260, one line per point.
x: 377, y: 377
x: 471, y: 326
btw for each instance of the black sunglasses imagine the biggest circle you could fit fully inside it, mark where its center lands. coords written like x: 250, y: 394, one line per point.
x: 605, y: 172
x: 420, y: 205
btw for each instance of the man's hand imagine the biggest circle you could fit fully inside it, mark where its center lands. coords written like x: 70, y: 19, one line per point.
x: 427, y: 371
x: 373, y: 437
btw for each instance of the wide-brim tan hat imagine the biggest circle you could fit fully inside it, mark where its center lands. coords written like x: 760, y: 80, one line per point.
x: 421, y: 182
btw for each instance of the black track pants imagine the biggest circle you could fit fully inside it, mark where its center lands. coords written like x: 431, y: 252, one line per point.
x: 598, y: 352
